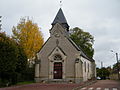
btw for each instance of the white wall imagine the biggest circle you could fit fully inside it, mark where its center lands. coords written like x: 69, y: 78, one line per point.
x: 88, y: 72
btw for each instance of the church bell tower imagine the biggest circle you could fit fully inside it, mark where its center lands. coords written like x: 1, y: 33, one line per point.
x: 60, y: 18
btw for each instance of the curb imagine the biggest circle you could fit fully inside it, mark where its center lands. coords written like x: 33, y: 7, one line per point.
x: 84, y: 85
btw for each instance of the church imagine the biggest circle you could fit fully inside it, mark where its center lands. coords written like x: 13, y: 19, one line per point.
x: 60, y: 59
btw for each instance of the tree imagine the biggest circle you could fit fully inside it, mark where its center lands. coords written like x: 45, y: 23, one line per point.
x: 13, y: 61
x: 21, y: 66
x: 103, y: 73
x: 22, y: 60
x: 84, y: 40
x: 8, y: 58
x: 27, y: 34
x: 116, y: 67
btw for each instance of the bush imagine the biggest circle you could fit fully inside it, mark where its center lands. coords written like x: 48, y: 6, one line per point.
x: 28, y: 75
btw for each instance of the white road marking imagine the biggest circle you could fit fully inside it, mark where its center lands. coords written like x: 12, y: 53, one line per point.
x: 90, y: 88
x: 106, y: 89
x: 98, y: 88
x: 115, y: 89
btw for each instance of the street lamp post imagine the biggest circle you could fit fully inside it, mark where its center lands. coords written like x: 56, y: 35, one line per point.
x: 117, y: 65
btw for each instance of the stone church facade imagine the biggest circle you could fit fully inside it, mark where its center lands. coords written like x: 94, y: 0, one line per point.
x: 60, y: 59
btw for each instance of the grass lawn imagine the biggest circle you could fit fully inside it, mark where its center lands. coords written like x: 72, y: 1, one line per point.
x: 25, y: 82
x: 20, y: 83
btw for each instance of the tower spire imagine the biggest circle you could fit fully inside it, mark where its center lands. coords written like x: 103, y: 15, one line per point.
x: 60, y: 18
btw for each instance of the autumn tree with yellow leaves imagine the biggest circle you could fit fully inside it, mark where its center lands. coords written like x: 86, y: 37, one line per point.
x: 28, y: 35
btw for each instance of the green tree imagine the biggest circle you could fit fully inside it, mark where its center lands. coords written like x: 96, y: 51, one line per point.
x: 27, y: 34
x: 13, y: 61
x: 116, y: 65
x: 21, y: 67
x: 8, y: 58
x: 103, y: 73
x: 84, y: 40
x: 22, y: 60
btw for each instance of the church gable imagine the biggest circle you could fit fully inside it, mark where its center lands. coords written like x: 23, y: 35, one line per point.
x: 60, y: 40
x: 59, y: 37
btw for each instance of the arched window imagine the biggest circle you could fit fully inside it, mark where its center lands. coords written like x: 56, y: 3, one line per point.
x: 57, y: 57
x: 85, y: 66
x: 88, y: 67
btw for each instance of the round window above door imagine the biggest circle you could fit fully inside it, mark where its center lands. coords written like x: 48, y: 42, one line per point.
x: 57, y: 57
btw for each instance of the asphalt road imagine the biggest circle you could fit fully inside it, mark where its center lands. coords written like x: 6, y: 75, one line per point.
x: 103, y: 85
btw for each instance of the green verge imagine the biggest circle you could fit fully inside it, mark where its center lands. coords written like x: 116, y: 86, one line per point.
x: 25, y: 82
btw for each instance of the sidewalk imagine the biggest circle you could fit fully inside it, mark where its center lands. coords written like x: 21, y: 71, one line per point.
x: 84, y: 84
x: 39, y: 86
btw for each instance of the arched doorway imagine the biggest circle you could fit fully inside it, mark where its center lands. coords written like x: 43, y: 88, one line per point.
x: 58, y: 70
x: 57, y: 61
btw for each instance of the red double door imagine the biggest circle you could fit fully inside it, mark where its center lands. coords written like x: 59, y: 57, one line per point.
x: 57, y: 70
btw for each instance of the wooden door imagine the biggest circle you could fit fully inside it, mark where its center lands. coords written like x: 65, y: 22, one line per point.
x: 57, y: 70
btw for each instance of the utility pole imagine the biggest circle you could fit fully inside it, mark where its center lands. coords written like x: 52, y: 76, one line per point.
x: 117, y: 65
x: 101, y: 64
x: 0, y: 23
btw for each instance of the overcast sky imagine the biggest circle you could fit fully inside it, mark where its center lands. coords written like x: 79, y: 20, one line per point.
x: 99, y: 17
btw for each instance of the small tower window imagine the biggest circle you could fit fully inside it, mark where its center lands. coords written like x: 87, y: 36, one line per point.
x: 57, y: 57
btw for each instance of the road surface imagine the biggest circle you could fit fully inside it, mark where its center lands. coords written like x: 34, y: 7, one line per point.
x: 39, y: 86
x: 99, y: 85
x: 103, y: 85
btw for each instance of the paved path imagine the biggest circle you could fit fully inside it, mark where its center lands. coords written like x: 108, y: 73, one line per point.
x: 38, y: 86
x: 103, y: 85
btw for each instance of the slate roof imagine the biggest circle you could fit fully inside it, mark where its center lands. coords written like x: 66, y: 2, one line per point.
x: 60, y: 18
